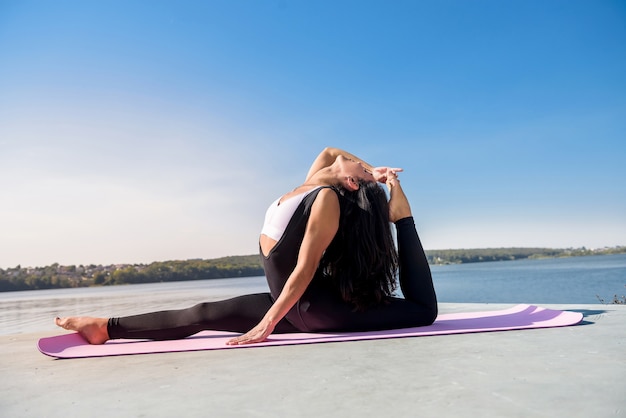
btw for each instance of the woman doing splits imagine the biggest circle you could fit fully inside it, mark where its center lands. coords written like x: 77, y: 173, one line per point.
x: 330, y: 262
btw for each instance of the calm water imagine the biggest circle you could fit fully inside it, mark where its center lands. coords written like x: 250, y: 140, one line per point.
x: 567, y: 280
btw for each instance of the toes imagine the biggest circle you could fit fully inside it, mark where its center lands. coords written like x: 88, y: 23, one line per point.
x: 62, y: 322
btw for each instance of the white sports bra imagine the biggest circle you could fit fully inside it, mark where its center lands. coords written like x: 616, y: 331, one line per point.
x: 279, y: 214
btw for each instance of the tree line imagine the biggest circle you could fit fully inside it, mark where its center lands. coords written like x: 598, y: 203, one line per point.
x: 57, y: 276
x: 503, y: 254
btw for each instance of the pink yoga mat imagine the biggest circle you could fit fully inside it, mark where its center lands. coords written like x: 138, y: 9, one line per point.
x: 515, y: 318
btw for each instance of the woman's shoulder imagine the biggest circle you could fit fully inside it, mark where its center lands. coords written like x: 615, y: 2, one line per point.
x: 327, y: 192
x: 324, y: 197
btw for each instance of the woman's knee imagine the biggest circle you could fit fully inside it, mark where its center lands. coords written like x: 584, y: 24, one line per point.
x: 431, y: 314
x: 197, y: 313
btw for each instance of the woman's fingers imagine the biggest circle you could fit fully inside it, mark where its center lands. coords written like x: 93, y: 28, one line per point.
x: 381, y: 174
x: 255, y: 335
x: 245, y: 339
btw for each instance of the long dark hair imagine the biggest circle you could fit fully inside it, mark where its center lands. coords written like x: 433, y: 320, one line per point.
x: 362, y: 260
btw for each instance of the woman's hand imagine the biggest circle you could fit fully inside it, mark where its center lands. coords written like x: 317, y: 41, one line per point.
x: 255, y: 335
x: 381, y: 174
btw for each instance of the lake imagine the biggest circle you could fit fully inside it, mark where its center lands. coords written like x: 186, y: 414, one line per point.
x: 544, y: 281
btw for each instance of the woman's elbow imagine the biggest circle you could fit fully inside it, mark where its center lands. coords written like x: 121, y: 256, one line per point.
x: 331, y: 152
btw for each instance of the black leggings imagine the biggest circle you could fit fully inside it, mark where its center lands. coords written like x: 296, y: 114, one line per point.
x: 323, y: 312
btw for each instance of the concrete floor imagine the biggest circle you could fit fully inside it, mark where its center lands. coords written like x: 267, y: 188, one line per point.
x: 577, y: 371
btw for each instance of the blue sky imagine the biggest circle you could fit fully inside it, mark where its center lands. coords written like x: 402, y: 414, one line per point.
x: 136, y: 131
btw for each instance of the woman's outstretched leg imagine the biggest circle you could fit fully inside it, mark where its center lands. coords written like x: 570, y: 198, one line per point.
x: 238, y: 314
x: 415, y: 277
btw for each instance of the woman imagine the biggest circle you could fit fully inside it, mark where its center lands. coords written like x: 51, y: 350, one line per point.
x: 330, y: 263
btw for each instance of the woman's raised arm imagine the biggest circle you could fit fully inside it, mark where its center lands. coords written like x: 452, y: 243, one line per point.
x: 329, y: 154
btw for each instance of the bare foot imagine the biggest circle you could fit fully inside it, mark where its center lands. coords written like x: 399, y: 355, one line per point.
x: 94, y: 330
x: 399, y: 207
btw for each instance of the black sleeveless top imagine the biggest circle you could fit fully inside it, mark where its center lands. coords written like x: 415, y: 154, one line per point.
x: 282, y: 260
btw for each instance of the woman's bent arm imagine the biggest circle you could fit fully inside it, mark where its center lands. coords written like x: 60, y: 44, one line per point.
x: 328, y: 156
x: 320, y: 231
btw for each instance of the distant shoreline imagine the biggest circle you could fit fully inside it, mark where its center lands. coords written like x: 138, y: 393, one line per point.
x: 58, y: 276
x: 462, y: 256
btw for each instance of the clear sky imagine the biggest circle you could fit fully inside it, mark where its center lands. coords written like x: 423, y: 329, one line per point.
x: 138, y: 131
